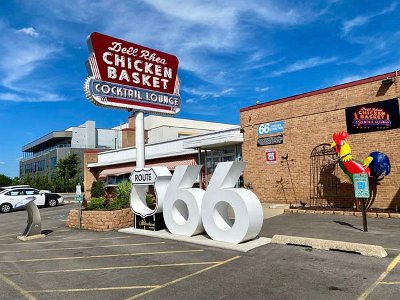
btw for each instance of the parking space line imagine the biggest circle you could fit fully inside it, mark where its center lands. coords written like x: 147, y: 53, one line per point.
x: 389, y: 268
x: 17, y: 287
x: 183, y: 278
x: 392, y: 249
x: 386, y: 282
x: 98, y: 289
x: 76, y: 248
x: 12, y: 235
x: 66, y: 241
x: 100, y: 256
x: 121, y: 268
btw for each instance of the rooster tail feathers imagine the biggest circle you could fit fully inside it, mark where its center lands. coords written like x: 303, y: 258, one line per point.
x: 380, y: 165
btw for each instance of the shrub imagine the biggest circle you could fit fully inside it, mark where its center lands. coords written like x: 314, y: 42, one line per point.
x: 123, y: 191
x: 97, y: 189
x: 97, y: 203
x: 118, y: 204
x: 150, y: 199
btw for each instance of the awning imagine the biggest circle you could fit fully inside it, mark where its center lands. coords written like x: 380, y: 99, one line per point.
x: 115, y: 172
x: 171, y: 165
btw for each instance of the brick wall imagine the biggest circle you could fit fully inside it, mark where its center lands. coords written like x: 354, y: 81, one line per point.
x: 89, y: 175
x: 309, y: 121
x: 101, y: 220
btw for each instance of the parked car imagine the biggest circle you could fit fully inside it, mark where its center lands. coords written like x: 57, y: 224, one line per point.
x: 12, y: 187
x: 13, y: 195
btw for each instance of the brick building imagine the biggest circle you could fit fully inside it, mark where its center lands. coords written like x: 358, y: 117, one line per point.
x: 301, y: 169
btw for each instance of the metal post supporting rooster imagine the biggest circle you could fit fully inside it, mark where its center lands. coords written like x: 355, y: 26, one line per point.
x: 376, y: 165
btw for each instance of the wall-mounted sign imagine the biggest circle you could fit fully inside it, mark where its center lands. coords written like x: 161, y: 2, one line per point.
x: 270, y: 157
x: 129, y: 76
x: 382, y: 115
x: 270, y: 140
x: 269, y: 128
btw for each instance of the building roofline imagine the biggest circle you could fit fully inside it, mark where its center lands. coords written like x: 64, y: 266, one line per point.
x: 324, y: 90
x: 52, y: 135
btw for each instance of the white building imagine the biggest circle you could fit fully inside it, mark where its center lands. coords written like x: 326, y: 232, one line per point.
x: 171, y: 142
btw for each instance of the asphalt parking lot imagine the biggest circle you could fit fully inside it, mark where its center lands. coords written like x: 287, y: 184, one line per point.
x: 80, y: 264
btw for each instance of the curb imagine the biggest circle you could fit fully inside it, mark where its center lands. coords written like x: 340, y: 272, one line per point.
x: 342, y: 213
x: 363, y: 249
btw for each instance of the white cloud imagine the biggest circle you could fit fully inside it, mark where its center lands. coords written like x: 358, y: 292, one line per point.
x: 349, y: 25
x: 305, y: 64
x: 191, y: 100
x: 261, y: 89
x: 391, y: 67
x: 29, y: 31
x: 355, y: 22
x: 189, y: 29
x: 21, y: 59
x: 34, y: 96
x: 203, y: 94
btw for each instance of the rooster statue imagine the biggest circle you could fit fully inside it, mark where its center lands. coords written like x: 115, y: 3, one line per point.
x: 376, y: 165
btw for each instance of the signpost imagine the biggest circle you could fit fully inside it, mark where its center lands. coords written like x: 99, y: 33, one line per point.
x: 361, y: 191
x: 78, y: 199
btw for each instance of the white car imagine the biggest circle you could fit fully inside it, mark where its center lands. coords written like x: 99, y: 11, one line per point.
x: 10, y: 197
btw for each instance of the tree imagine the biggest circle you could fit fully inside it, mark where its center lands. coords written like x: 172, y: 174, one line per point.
x: 5, y: 180
x: 68, y: 174
x: 68, y: 167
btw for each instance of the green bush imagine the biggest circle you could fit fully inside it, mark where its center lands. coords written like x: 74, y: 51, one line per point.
x: 118, y: 204
x: 97, y: 203
x: 97, y: 189
x: 123, y: 191
x: 150, y: 199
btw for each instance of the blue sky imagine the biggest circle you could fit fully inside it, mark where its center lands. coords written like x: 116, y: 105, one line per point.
x: 231, y: 53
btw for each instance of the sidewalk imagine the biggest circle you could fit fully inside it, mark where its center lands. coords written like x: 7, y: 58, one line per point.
x: 383, y: 232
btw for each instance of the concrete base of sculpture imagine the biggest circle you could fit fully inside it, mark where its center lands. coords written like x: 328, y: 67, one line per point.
x: 201, y: 239
x: 32, y: 237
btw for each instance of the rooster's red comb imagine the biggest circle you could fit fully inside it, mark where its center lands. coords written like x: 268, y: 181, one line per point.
x: 339, y: 137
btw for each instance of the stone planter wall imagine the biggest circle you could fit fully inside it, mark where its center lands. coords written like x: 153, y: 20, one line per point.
x: 99, y: 220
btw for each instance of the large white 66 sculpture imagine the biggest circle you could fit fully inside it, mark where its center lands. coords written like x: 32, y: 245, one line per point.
x: 190, y: 211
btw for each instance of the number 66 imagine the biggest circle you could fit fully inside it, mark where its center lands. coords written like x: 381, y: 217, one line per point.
x: 189, y: 211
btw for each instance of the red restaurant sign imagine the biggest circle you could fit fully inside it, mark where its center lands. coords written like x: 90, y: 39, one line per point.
x: 130, y: 76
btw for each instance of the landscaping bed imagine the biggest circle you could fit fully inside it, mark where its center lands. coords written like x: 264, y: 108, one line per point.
x: 101, y: 220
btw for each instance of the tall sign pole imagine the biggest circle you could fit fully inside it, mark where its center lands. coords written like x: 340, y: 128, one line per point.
x: 139, y: 138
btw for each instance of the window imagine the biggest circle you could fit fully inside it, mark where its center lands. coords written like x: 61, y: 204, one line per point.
x: 41, y: 165
x: 117, y: 179
x: 15, y: 193
x: 31, y: 192
x: 28, y: 168
x: 53, y: 162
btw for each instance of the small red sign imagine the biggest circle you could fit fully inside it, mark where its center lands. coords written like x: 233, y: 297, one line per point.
x: 270, y: 157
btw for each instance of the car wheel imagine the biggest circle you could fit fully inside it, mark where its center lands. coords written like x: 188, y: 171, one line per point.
x: 52, y: 202
x: 5, y: 208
